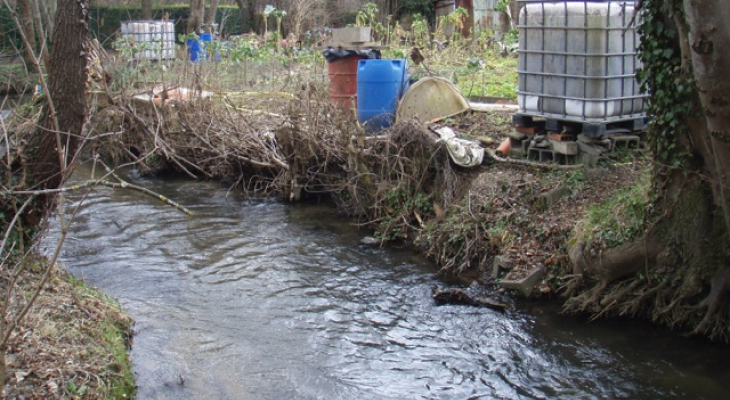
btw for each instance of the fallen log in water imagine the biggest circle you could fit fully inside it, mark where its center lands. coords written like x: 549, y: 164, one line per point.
x: 462, y: 297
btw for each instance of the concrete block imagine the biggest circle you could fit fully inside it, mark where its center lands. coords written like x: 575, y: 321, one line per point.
x: 518, y: 148
x: 501, y: 263
x: 591, y: 149
x: 587, y: 139
x: 567, y: 148
x: 541, y: 155
x: 588, y: 159
x: 352, y: 34
x: 540, y: 142
x: 624, y: 141
x: 526, y: 284
x: 551, y: 198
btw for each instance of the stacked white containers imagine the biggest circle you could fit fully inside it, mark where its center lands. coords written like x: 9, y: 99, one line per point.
x: 157, y: 38
x: 577, y: 62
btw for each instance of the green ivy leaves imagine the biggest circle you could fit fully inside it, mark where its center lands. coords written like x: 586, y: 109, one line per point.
x: 662, y: 76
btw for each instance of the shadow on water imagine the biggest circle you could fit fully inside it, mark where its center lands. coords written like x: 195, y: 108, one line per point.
x: 263, y: 300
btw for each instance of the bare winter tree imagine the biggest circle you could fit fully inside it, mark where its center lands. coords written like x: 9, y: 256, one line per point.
x: 252, y: 9
x: 304, y: 13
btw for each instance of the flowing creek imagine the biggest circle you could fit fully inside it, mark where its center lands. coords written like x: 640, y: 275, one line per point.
x: 255, y: 299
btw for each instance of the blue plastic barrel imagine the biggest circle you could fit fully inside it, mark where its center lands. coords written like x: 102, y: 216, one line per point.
x: 196, y: 48
x: 380, y: 83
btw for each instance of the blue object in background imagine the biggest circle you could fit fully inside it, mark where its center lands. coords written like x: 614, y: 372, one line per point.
x: 380, y: 84
x: 197, y: 47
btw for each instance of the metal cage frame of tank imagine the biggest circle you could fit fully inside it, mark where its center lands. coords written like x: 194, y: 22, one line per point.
x: 578, y: 74
x: 159, y: 34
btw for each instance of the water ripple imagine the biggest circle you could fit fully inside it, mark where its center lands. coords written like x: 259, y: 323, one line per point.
x: 257, y: 299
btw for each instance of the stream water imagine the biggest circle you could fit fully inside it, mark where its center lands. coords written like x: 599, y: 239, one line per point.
x: 252, y: 299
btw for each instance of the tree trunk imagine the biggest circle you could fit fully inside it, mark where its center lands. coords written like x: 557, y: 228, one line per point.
x: 195, y: 17
x: 67, y: 77
x: 52, y: 10
x: 25, y: 15
x: 146, y: 9
x: 709, y: 41
x: 679, y: 269
x: 514, y: 10
x: 210, y: 16
x: 252, y: 8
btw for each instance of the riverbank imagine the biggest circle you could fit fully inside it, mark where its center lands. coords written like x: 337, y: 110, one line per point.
x: 73, y: 343
x: 399, y: 184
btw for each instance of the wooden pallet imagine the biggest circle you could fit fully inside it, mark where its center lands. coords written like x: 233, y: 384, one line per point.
x: 591, y: 129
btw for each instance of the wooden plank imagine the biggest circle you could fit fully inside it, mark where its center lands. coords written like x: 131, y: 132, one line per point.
x: 490, y: 107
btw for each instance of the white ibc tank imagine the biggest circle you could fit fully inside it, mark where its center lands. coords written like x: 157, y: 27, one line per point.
x: 158, y: 38
x: 577, y: 62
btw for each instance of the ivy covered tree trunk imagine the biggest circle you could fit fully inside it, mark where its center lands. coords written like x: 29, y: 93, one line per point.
x: 678, y: 271
x: 708, y: 36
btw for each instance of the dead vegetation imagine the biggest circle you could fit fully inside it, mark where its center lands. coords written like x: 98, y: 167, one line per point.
x: 63, y: 348
x: 400, y: 182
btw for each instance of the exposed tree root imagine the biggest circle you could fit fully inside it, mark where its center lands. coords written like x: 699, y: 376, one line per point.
x: 614, y: 263
x: 632, y: 306
x: 714, y: 321
x: 586, y: 301
x: 668, y: 296
x: 668, y: 275
x: 619, y: 294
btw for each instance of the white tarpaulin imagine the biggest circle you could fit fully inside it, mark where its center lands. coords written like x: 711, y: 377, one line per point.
x: 465, y: 153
